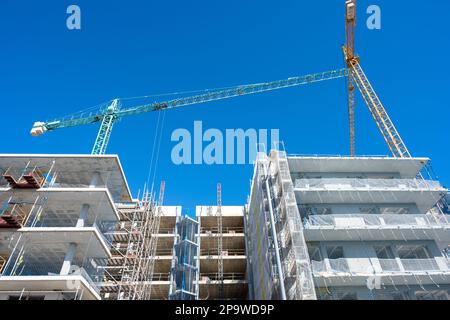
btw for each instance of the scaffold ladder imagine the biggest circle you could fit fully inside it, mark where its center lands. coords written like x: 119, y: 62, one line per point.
x: 220, y: 241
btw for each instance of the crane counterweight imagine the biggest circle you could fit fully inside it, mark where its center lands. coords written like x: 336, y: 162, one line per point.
x: 38, y: 129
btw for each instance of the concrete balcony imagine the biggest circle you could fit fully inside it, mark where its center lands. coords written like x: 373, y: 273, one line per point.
x: 234, y: 285
x: 231, y: 241
x: 350, y: 272
x: 423, y: 193
x: 367, y: 227
x: 51, y: 287
x: 60, y: 208
x: 231, y: 263
x: 55, y: 264
x: 402, y: 167
x: 86, y: 236
x: 232, y: 217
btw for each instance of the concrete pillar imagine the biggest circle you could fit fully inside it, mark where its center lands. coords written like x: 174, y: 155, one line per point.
x: 397, y: 258
x: 95, y: 180
x: 435, y: 253
x: 324, y: 253
x: 70, y: 254
x: 83, y: 216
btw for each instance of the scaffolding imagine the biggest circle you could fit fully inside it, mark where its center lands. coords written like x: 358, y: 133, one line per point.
x: 220, y: 242
x: 129, y: 273
x: 261, y: 267
x: 184, y: 271
x: 299, y: 281
x: 275, y: 226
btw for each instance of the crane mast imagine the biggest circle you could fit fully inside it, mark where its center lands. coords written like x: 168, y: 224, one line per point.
x: 102, y: 140
x: 350, y: 24
x: 357, y: 76
x: 220, y: 241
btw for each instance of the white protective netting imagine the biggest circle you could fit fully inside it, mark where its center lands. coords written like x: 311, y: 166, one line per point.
x: 378, y: 184
x: 372, y: 220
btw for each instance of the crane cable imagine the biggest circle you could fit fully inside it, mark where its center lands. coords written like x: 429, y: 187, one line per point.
x: 159, y: 147
x: 177, y: 93
x: 155, y: 150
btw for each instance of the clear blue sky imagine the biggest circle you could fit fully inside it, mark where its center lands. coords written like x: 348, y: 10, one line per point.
x: 133, y: 48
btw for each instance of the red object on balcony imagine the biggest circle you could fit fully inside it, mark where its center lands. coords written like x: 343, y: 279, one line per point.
x: 26, y: 182
x: 8, y: 221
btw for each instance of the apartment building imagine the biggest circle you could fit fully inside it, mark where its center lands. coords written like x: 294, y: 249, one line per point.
x: 347, y: 228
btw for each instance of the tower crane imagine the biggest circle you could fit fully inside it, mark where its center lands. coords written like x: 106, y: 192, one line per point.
x: 109, y: 115
x: 358, y: 77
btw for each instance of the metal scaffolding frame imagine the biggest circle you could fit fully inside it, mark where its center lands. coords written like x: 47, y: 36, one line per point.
x: 129, y: 274
x: 184, y: 271
x: 297, y: 267
x: 274, y: 220
x: 220, y: 242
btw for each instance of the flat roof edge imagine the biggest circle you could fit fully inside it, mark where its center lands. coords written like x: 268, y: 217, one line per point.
x: 336, y: 157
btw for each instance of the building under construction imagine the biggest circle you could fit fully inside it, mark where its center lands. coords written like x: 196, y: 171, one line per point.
x: 313, y: 228
x: 330, y: 228
x: 69, y: 229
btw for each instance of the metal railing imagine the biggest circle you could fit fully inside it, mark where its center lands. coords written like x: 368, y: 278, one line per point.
x: 380, y: 184
x: 166, y: 230
x: 23, y: 268
x: 225, y: 252
x: 41, y: 294
x: 161, y: 276
x: 375, y: 220
x: 215, y: 230
x: 38, y: 173
x: 420, y: 265
x: 3, y: 261
x: 226, y: 276
x: 24, y: 263
x: 387, y: 265
x: 335, y: 266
